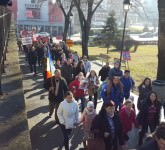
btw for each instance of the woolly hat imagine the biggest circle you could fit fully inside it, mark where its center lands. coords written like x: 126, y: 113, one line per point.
x: 90, y: 104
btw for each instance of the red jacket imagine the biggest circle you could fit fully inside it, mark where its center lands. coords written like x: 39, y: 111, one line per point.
x: 74, y: 87
x: 127, y: 121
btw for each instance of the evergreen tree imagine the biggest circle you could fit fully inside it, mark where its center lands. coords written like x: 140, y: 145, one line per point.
x: 110, y: 31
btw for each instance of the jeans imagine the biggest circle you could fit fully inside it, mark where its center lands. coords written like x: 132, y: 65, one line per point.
x: 66, y: 133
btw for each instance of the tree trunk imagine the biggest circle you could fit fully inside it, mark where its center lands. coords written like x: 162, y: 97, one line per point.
x: 66, y: 28
x: 161, y: 41
x: 85, y: 39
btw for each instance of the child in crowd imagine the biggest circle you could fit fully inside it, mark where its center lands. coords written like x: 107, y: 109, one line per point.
x: 87, y: 118
x: 129, y: 124
x: 128, y: 84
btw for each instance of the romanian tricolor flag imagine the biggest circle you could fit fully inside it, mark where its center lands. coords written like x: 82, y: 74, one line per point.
x: 50, y: 68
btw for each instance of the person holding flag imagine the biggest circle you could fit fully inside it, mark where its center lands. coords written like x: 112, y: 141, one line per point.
x: 56, y: 85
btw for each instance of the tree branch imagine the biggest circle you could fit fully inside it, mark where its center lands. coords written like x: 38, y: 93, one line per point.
x: 97, y: 5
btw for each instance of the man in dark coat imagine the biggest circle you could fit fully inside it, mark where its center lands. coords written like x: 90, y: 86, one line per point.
x: 67, y: 71
x: 157, y: 141
x: 32, y: 57
x: 104, y: 71
x: 57, y: 88
x: 40, y: 53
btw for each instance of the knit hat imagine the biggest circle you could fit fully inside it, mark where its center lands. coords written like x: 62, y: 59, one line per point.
x: 90, y: 104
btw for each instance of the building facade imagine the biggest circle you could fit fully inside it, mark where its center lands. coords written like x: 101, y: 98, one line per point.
x: 39, y: 16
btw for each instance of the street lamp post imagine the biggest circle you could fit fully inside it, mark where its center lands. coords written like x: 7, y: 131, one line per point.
x: 71, y: 17
x: 126, y: 7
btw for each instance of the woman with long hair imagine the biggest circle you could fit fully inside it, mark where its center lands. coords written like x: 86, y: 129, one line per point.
x: 93, y: 84
x: 80, y: 68
x: 144, y: 89
x: 149, y: 115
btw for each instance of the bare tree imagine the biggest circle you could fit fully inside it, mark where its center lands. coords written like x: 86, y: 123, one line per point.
x: 161, y: 41
x: 66, y: 9
x: 85, y: 18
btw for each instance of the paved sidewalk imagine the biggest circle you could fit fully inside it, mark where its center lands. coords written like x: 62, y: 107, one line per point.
x: 14, y: 133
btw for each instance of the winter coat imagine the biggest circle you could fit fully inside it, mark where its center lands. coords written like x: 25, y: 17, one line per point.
x: 32, y: 57
x: 115, y: 72
x: 143, y: 94
x: 143, y: 113
x: 115, y: 95
x: 74, y: 87
x: 78, y: 70
x: 104, y: 72
x: 68, y: 113
x: 128, y: 84
x: 87, y: 119
x: 67, y: 72
x: 100, y: 125
x: 63, y: 88
x: 126, y: 120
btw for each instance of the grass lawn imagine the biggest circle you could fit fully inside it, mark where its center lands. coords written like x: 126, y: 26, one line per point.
x: 143, y: 62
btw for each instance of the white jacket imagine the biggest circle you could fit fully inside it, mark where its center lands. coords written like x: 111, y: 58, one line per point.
x: 68, y: 113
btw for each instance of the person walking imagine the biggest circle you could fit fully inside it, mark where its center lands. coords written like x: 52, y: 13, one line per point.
x: 67, y: 71
x: 57, y: 88
x: 33, y: 60
x: 104, y: 71
x: 87, y: 65
x: 113, y: 90
x: 107, y: 126
x: 79, y: 87
x: 68, y: 114
x: 116, y: 70
x: 93, y: 85
x: 149, y: 115
x: 144, y: 89
x: 129, y: 124
x: 128, y: 84
x: 80, y: 68
x: 86, y: 119
x: 105, y: 90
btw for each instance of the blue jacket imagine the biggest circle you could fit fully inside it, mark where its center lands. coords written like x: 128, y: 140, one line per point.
x: 115, y: 72
x: 115, y: 95
x: 128, y: 84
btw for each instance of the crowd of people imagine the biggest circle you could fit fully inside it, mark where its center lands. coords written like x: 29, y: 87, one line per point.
x: 118, y: 121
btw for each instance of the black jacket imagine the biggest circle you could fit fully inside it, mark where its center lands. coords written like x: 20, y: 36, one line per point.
x: 78, y: 70
x: 104, y: 72
x: 62, y: 89
x: 142, y: 116
x: 67, y: 72
x: 100, y: 125
x: 32, y: 57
